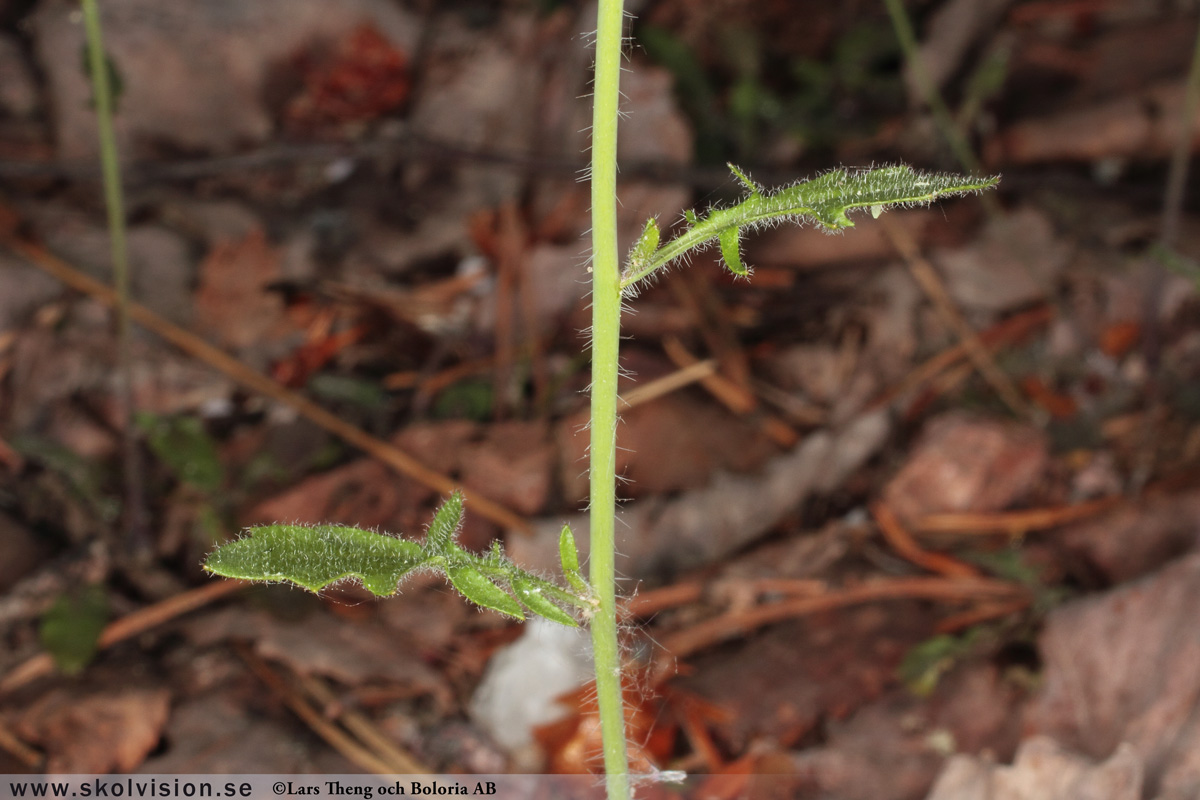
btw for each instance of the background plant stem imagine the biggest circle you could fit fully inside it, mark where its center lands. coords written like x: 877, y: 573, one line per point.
x: 933, y: 98
x: 1177, y: 173
x: 1156, y: 271
x: 137, y: 544
x: 606, y: 324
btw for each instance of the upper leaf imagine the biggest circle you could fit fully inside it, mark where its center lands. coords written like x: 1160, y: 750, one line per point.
x: 828, y: 197
x: 825, y: 200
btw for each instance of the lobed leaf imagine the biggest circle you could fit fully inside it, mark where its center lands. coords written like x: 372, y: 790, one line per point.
x: 319, y: 555
x: 473, y: 585
x: 532, y: 593
x: 731, y: 251
x: 568, y: 556
x: 444, y: 527
x: 646, y: 244
x: 744, y: 179
x: 825, y: 200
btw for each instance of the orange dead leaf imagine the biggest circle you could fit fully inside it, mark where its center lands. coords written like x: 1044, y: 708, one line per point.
x: 1119, y: 338
x: 759, y: 774
x: 321, y: 348
x: 904, y: 544
x: 732, y: 781
x: 695, y: 714
x: 232, y: 300
x: 361, y: 80
x: 573, y: 745
x: 1058, y: 405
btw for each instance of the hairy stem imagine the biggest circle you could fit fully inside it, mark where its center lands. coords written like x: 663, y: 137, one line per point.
x: 606, y: 329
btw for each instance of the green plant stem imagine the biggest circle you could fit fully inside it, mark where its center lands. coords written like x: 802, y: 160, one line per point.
x: 606, y: 330
x: 1156, y: 281
x: 115, y: 204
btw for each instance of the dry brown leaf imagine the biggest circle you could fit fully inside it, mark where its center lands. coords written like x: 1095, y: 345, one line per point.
x: 809, y: 247
x: 513, y: 465
x: 220, y: 732
x: 232, y: 301
x: 348, y: 651
x: 784, y: 681
x: 1136, y: 538
x: 964, y: 463
x: 672, y: 444
x: 365, y: 493
x: 892, y: 749
x: 701, y: 526
x: 1043, y: 770
x: 90, y: 731
x: 20, y: 552
x: 1014, y: 262
x: 1121, y: 668
x: 1144, y: 124
x: 195, y: 71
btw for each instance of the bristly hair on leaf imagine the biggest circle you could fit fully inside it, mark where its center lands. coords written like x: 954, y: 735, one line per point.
x: 825, y: 200
x: 315, y: 556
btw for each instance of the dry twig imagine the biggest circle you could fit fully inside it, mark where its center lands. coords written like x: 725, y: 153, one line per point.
x: 733, y: 396
x: 215, y: 357
x: 993, y: 338
x: 127, y: 627
x: 400, y: 761
x: 684, y: 376
x: 903, y: 543
x: 739, y: 623
x: 1013, y: 523
x: 334, y: 736
x: 927, y: 277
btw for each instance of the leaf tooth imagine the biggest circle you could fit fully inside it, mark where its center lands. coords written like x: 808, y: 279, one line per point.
x: 744, y: 179
x: 568, y: 553
x: 444, y: 527
x: 568, y: 556
x: 473, y: 585
x: 530, y: 593
x: 728, y: 239
x: 646, y: 244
